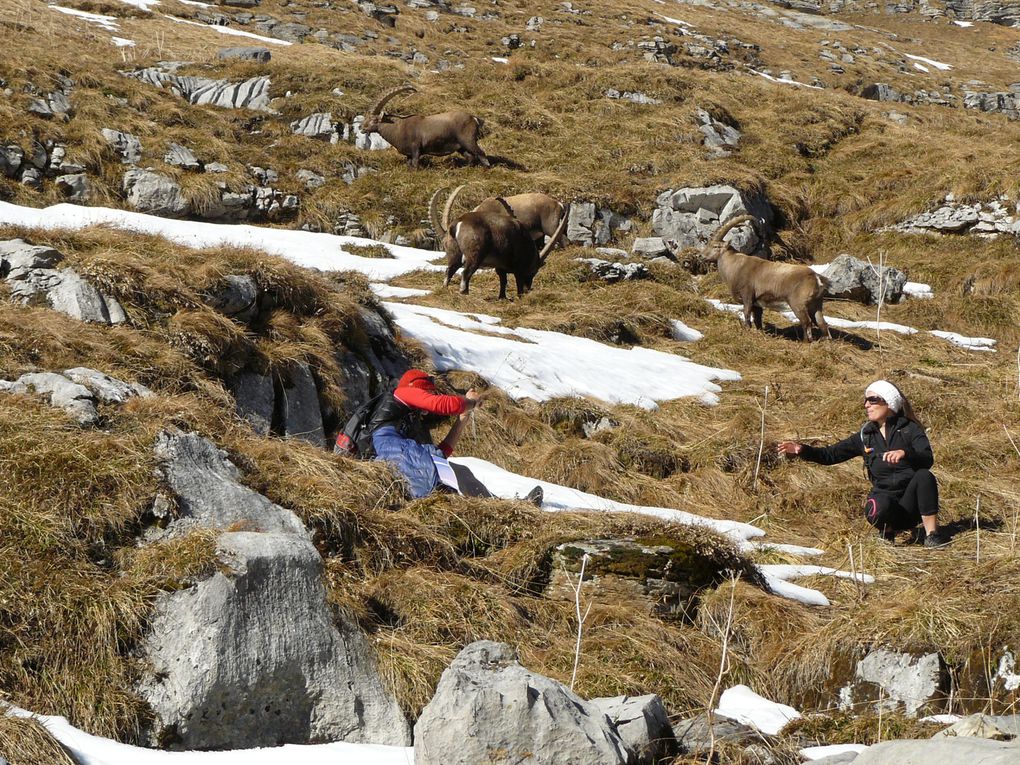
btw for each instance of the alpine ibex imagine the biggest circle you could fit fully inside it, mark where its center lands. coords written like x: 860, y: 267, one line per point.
x: 415, y: 135
x: 489, y: 239
x: 759, y: 283
x: 540, y: 213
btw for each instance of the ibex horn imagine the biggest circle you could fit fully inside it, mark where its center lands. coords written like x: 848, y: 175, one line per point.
x: 449, y: 206
x: 434, y: 212
x: 556, y: 236
x: 385, y: 98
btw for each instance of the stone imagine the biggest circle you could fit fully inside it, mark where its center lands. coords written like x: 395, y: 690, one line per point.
x: 75, y: 188
x: 843, y: 758
x: 900, y: 680
x: 649, y: 247
x: 365, y: 141
x: 247, y: 53
x: 106, y: 389
x: 534, y: 24
x: 127, y: 146
x: 255, y: 657
x: 612, y: 252
x: 1007, y: 103
x: 854, y: 279
x: 55, y: 104
x: 488, y: 708
x: 71, y: 295
x: 60, y: 392
x: 154, y: 193
x: 949, y: 751
x: 695, y: 736
x: 17, y: 258
x: 980, y: 726
x: 636, y: 97
x: 310, y: 179
x: 318, y: 125
x: 589, y: 226
x: 719, y: 138
x: 31, y: 177
x: 252, y: 93
x: 690, y: 216
x: 643, y: 724
x: 881, y: 91
x: 615, y: 272
x: 11, y: 158
x: 301, y: 416
x: 209, y: 493
x: 182, y: 156
x: 235, y: 296
x: 254, y: 398
x: 216, y: 167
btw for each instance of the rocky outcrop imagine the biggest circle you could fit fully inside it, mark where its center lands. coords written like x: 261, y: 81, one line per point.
x: 319, y: 125
x: 950, y: 751
x: 77, y: 391
x: 30, y: 272
x: 696, y: 737
x: 689, y: 216
x: 247, y: 53
x: 252, y: 93
x: 125, y: 145
x: 300, y: 414
x: 719, y: 138
x: 487, y: 708
x: 896, y: 680
x: 591, y: 226
x: 1007, y: 103
x: 254, y: 657
x: 643, y: 724
x: 857, y: 280
x: 987, y: 219
x: 154, y: 193
x: 255, y: 399
x: 1005, y: 12
x: 615, y: 272
x: 182, y: 156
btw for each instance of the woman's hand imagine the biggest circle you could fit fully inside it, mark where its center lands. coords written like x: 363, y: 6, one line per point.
x: 894, y: 456
x: 474, y: 399
x: 789, y: 447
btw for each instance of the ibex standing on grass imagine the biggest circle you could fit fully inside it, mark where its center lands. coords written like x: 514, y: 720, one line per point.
x: 489, y: 239
x: 415, y: 135
x: 759, y: 283
x: 540, y: 213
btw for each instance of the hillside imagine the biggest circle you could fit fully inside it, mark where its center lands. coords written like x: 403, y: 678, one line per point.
x: 213, y: 232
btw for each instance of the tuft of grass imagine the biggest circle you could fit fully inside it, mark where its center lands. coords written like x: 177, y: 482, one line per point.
x: 25, y: 741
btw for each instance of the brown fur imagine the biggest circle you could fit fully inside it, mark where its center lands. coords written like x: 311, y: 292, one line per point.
x: 540, y: 213
x: 759, y: 283
x: 436, y: 134
x: 491, y: 238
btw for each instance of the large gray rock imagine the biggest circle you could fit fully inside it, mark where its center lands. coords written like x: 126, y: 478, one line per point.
x: 252, y: 657
x: 209, y: 493
x: 949, y: 751
x: 154, y: 193
x: 300, y: 412
x: 72, y: 295
x: 127, y: 146
x: 984, y: 219
x: 182, y: 156
x: 75, y: 187
x: 719, y: 138
x: 695, y: 736
x: 248, y: 53
x: 854, y: 279
x: 254, y: 398
x: 1005, y: 12
x: 250, y: 94
x: 690, y: 216
x: 615, y: 272
x: 1004, y: 102
x: 108, y: 390
x: 17, y: 258
x: 11, y: 158
x: 899, y: 680
x: 982, y: 726
x: 319, y: 125
x: 488, y: 708
x: 643, y: 724
x: 59, y: 391
x: 590, y: 226
x: 236, y: 296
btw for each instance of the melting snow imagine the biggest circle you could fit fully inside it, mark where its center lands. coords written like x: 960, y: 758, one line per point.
x: 930, y: 62
x: 673, y: 21
x: 143, y: 4
x: 682, y: 332
x: 742, y: 704
x: 778, y: 578
x: 538, y: 364
x: 970, y: 343
x: 964, y: 23
x: 229, y: 31
x: 94, y: 750
x: 921, y: 67
x: 817, y: 752
x: 918, y: 290
x: 942, y: 719
x: 321, y: 251
x: 108, y: 23
x: 782, y: 81
x: 389, y: 291
x: 120, y: 42
x: 500, y: 60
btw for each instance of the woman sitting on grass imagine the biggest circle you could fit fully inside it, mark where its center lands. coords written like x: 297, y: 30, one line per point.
x: 898, y: 459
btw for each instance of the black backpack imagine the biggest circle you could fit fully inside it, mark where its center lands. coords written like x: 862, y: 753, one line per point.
x: 355, y: 440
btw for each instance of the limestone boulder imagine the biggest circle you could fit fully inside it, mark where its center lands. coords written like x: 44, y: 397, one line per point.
x: 901, y: 681
x: 150, y: 192
x: 106, y: 389
x: 300, y: 411
x: 60, y: 392
x: 319, y: 125
x: 252, y: 93
x: 854, y: 279
x: 694, y: 736
x: 1004, y: 728
x: 72, y: 295
x: 690, y: 216
x: 643, y: 723
x: 126, y: 145
x: 182, y: 156
x: 246, y: 53
x: 948, y: 751
x: 75, y: 187
x: 719, y: 138
x: 255, y: 657
x: 615, y: 272
x: 591, y: 226
x: 254, y: 398
x: 489, y: 708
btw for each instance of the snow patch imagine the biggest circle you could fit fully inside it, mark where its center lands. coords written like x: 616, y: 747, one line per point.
x: 108, y: 23
x: 500, y: 60
x: 388, y: 291
x: 970, y: 343
x: 921, y: 67
x: 782, y: 81
x: 745, y: 706
x: 141, y: 4
x: 963, y: 23
x: 683, y: 333
x: 930, y: 62
x: 817, y: 752
x: 674, y: 21
x: 538, y: 364
x: 120, y: 42
x: 229, y: 31
x: 778, y: 575
x: 1007, y: 672
x: 918, y: 290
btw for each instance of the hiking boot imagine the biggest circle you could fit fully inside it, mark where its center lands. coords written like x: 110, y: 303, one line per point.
x: 535, y: 496
x: 936, y: 538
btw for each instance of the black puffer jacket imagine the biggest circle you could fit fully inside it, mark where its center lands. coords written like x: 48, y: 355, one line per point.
x: 868, y: 443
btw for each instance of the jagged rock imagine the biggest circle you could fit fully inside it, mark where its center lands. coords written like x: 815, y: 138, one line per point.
x: 300, y: 413
x: 615, y: 272
x: 1004, y: 103
x: 366, y: 141
x: 643, y: 724
x: 636, y: 97
x: 254, y: 657
x: 208, y: 491
x: 31, y: 177
x: 18, y: 258
x: 719, y: 138
x: 1005, y: 12
x: 127, y: 146
x: 60, y: 392
x: 534, y: 24
x: 880, y: 91
x: 289, y: 31
x: 590, y: 226
x: 182, y: 156
x: 315, y: 126
x: 108, y: 390
x: 982, y: 726
x: 383, y: 353
x: 310, y: 179
x: 74, y: 187
x: 898, y: 680
x: 254, y: 398
x: 154, y: 193
x: 854, y: 279
x: 649, y: 247
x: 690, y: 216
x: 241, y: 3
x: 54, y: 104
x: 11, y: 158
x: 987, y: 219
x: 694, y: 736
x: 236, y: 296
x: 216, y: 167
x: 247, y: 53
x: 487, y: 705
x: 385, y: 14
x: 949, y: 751
x: 250, y: 94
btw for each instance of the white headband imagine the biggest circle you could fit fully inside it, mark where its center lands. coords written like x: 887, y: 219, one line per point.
x: 888, y: 393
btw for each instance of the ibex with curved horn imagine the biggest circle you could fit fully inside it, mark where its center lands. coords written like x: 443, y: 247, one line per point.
x: 437, y: 134
x: 540, y: 213
x: 489, y: 239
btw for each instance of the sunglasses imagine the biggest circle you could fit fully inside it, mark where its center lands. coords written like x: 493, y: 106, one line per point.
x: 873, y: 400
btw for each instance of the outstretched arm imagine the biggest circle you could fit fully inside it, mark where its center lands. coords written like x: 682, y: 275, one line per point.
x: 846, y: 449
x: 450, y: 442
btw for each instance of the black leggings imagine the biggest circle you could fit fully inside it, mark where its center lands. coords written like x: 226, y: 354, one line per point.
x: 896, y: 512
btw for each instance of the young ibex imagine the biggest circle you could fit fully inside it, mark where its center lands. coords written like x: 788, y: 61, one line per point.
x: 489, y: 239
x: 759, y: 283
x: 415, y: 135
x: 540, y: 213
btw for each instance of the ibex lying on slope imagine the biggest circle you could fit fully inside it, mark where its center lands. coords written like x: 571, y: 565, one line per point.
x: 759, y: 283
x: 415, y: 135
x: 540, y: 213
x: 489, y: 239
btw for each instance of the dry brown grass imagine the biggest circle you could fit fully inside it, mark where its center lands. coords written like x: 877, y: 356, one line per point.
x: 24, y: 741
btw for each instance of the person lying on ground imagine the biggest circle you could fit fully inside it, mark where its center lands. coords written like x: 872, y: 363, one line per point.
x: 898, y: 460
x: 400, y: 436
